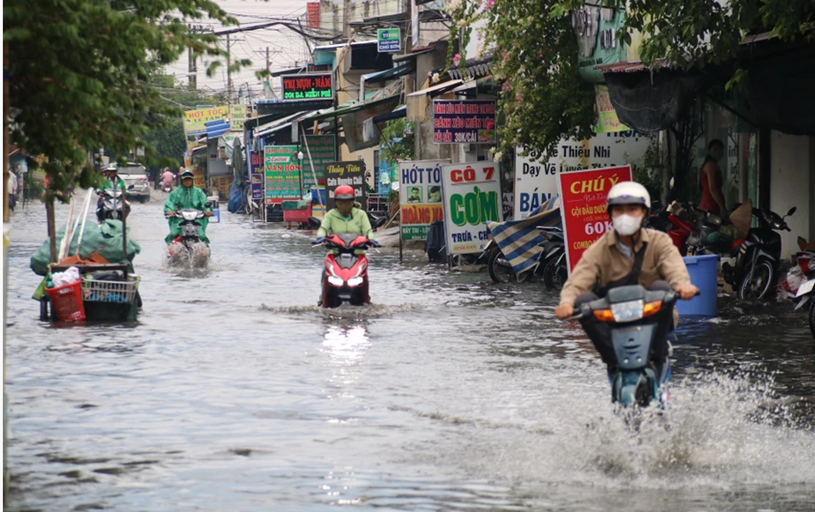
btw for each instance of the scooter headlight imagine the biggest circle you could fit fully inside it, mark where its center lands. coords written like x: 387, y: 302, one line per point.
x: 336, y: 281
x: 627, y: 311
x: 355, y: 281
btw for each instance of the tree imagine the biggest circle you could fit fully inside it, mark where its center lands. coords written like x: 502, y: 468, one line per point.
x: 688, y: 34
x: 543, y: 98
x: 79, y: 76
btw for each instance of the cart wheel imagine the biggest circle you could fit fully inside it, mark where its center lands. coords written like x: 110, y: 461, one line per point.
x: 43, y: 310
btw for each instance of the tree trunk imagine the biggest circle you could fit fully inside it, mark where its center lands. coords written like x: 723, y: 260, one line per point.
x: 52, y: 228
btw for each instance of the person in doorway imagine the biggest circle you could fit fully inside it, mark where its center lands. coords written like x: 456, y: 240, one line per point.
x: 711, y: 180
x: 12, y: 190
x: 167, y: 179
x: 185, y: 197
x: 627, y: 255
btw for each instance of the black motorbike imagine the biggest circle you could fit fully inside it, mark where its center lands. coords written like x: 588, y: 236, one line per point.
x: 550, y: 265
x: 759, y: 254
x: 112, y: 204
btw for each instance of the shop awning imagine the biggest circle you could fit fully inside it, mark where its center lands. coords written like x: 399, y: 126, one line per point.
x: 436, y: 89
x: 274, y: 126
x: 217, y: 128
x: 396, y: 114
x: 474, y: 68
x: 388, y: 74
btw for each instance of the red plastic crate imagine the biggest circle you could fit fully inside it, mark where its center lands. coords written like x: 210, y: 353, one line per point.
x: 67, y: 301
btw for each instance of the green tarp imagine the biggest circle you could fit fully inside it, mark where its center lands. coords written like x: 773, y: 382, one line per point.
x: 105, y: 240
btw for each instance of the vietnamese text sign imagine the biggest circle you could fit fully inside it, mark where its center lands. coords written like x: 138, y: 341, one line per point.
x: 420, y: 197
x: 195, y: 120
x: 237, y: 115
x: 536, y: 175
x: 583, y: 207
x: 389, y: 40
x: 308, y: 87
x: 345, y: 173
x: 463, y: 122
x: 256, y: 174
x: 607, y: 120
x: 323, y: 151
x: 472, y: 198
x: 282, y: 173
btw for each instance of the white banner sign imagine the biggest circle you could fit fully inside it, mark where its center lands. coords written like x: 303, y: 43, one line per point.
x: 536, y: 176
x: 472, y: 198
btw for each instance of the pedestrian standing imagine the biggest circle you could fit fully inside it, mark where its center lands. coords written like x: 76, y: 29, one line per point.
x: 12, y: 190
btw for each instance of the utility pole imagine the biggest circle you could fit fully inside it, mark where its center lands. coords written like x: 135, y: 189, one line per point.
x: 346, y: 21
x: 268, y: 62
x: 228, y: 72
x: 193, y: 76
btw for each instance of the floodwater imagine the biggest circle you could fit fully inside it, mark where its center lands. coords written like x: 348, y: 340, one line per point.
x: 233, y: 392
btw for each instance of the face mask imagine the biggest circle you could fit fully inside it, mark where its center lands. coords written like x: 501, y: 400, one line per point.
x: 626, y: 225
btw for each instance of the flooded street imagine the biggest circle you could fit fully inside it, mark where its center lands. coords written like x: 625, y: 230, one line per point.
x: 234, y: 392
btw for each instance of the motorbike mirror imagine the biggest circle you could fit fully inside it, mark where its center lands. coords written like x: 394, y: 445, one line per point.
x: 208, y: 204
x: 792, y: 210
x: 131, y: 187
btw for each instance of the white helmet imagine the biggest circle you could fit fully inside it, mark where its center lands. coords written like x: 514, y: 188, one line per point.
x: 628, y: 192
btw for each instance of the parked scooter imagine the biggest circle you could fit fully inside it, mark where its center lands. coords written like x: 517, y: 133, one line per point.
x: 187, y: 249
x: 553, y: 253
x: 755, y: 273
x: 346, y: 270
x: 803, y: 277
x: 679, y: 229
x: 636, y: 318
x: 111, y: 204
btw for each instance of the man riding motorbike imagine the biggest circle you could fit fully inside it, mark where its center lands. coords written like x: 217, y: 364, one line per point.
x: 347, y: 217
x: 167, y: 179
x: 112, y: 182
x: 186, y: 197
x: 627, y: 255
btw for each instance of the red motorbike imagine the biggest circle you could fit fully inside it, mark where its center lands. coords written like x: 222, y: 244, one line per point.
x: 345, y: 278
x: 676, y: 227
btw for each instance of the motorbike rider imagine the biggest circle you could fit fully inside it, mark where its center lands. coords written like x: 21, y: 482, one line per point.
x: 627, y: 255
x: 346, y: 217
x: 112, y: 182
x: 167, y: 178
x: 185, y: 197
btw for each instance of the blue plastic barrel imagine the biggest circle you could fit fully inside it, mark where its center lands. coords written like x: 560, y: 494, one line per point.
x: 703, y: 272
x: 314, y: 195
x: 216, y: 216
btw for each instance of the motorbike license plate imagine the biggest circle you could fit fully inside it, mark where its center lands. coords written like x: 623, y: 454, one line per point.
x: 805, y: 288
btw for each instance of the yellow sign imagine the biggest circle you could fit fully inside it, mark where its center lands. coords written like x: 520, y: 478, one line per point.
x: 195, y: 120
x: 237, y: 115
x: 607, y: 121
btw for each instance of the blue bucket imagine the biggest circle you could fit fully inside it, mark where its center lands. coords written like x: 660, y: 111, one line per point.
x: 703, y: 272
x: 216, y: 216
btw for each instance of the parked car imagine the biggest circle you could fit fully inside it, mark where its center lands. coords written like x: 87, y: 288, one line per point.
x: 136, y: 174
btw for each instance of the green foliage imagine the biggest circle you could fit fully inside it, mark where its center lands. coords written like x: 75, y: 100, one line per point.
x: 543, y: 98
x: 80, y: 76
x: 706, y: 31
x: 397, y: 141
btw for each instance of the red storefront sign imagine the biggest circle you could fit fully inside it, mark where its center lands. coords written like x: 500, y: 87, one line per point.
x: 583, y: 206
x: 313, y: 14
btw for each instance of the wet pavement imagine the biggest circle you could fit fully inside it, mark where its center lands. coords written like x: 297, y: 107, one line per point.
x: 233, y: 392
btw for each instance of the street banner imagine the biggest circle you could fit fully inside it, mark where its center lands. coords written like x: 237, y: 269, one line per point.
x: 323, y: 150
x: 389, y: 40
x: 472, y: 198
x: 536, y: 174
x: 464, y: 122
x: 195, y: 120
x: 583, y: 207
x: 607, y: 120
x: 345, y: 173
x: 256, y: 175
x: 420, y: 197
x: 282, y: 173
